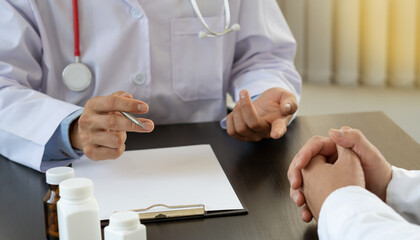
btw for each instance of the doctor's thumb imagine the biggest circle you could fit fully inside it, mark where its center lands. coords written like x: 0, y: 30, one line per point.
x: 288, y: 107
x: 126, y: 95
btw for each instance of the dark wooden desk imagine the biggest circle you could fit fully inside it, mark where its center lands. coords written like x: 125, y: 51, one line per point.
x: 257, y: 172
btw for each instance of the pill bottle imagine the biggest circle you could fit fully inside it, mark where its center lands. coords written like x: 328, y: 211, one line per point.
x: 54, y: 176
x: 125, y: 225
x: 78, y: 211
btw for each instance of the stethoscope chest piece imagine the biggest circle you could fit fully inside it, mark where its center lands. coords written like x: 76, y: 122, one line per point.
x: 77, y: 76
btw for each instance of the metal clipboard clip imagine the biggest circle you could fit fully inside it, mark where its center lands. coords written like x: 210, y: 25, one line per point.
x: 162, y: 211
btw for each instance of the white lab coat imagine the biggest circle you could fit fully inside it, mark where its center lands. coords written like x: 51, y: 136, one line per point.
x: 149, y: 49
x: 355, y: 213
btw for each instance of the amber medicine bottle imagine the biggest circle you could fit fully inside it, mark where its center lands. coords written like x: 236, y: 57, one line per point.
x: 54, y: 176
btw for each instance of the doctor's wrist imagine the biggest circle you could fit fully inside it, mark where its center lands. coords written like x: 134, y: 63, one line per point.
x: 75, y: 141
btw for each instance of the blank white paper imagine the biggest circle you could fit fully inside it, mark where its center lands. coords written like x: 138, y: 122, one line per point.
x: 171, y: 176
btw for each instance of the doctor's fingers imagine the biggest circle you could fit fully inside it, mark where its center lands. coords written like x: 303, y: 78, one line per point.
x: 317, y: 145
x: 249, y: 115
x: 279, y: 127
x: 122, y: 94
x: 113, y: 103
x: 103, y: 138
x: 288, y: 103
x: 230, y: 128
x: 95, y: 152
x: 242, y: 128
x: 113, y: 122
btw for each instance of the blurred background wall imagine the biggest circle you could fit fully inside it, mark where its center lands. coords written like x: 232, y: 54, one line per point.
x: 357, y: 56
x: 356, y: 42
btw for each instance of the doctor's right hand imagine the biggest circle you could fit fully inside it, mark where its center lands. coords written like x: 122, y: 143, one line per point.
x: 266, y: 117
x: 101, y: 129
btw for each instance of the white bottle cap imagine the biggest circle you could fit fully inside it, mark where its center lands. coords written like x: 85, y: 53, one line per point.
x: 76, y: 188
x: 58, y: 174
x: 124, y: 220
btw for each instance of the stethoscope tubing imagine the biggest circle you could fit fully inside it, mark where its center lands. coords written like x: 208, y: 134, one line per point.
x: 77, y: 76
x: 76, y: 31
x: 211, y: 32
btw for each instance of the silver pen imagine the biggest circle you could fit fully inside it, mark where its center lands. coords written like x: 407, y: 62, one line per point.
x: 132, y: 118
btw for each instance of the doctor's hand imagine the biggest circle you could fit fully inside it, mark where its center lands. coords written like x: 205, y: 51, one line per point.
x: 378, y: 171
x: 321, y: 178
x: 266, y: 117
x: 101, y: 129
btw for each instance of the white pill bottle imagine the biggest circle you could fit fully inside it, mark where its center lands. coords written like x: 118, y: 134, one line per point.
x: 78, y: 211
x: 125, y: 225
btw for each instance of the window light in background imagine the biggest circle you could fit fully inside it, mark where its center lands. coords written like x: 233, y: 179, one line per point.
x: 374, y: 42
x: 402, y: 45
x: 295, y: 10
x: 319, y: 41
x: 369, y: 42
x: 418, y: 44
x: 346, y: 42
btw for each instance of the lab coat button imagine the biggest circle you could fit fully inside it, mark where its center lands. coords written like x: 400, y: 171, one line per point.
x: 139, y: 79
x: 136, y: 13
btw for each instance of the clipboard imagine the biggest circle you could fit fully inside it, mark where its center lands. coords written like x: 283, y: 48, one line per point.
x: 180, y: 212
x: 141, y: 180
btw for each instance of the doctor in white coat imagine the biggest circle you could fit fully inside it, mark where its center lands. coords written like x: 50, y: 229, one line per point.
x: 143, y: 57
x: 345, y: 183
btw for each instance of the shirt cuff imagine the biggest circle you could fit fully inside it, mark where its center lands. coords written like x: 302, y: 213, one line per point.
x: 348, y: 209
x: 402, y: 193
x: 59, y: 146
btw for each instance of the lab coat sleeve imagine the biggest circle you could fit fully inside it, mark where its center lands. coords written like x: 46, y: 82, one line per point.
x: 403, y: 193
x: 355, y: 213
x: 58, y: 148
x: 264, y: 51
x: 28, y: 118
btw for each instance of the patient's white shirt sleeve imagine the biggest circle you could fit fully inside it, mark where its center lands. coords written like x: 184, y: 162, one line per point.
x: 355, y: 213
x: 403, y: 193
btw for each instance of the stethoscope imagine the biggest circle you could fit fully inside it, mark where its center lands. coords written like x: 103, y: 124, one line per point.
x: 210, y: 32
x: 77, y: 76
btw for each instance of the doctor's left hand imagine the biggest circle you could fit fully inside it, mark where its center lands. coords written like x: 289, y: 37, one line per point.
x: 101, y: 129
x: 266, y: 117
